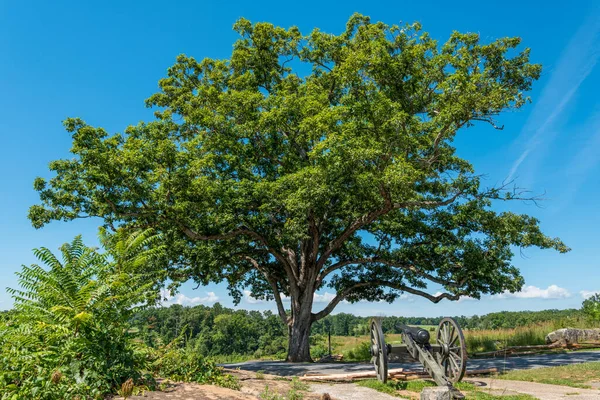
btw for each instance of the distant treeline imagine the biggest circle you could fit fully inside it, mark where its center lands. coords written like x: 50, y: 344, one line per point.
x: 351, y: 325
x: 221, y: 331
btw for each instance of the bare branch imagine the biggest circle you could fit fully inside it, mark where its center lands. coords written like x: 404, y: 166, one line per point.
x: 490, y: 121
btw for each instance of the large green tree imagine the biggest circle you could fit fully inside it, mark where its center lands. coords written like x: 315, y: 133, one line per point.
x: 312, y: 161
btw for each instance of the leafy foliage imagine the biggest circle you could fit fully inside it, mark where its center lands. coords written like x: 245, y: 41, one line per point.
x: 591, y: 307
x: 70, y: 335
x: 212, y: 331
x: 67, y: 336
x: 270, y: 168
x: 186, y: 365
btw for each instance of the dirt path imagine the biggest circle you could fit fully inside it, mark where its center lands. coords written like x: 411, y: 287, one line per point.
x: 349, y: 391
x: 254, y: 387
x: 194, y: 391
x: 541, y: 391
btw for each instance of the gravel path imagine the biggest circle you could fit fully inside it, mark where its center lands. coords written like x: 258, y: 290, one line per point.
x: 540, y: 390
x: 503, y: 364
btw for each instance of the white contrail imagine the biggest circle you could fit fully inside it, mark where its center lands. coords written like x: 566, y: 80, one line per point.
x: 576, y: 63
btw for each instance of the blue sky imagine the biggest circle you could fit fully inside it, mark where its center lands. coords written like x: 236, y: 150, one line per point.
x: 100, y: 60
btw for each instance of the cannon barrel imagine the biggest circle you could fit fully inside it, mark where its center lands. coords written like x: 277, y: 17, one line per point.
x: 419, y: 335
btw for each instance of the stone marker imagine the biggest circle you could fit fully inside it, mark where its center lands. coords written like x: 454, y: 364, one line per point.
x: 436, y: 393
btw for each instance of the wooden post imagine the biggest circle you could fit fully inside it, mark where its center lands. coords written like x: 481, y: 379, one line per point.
x: 329, y: 335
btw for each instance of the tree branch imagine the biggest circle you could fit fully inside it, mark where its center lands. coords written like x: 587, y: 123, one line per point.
x: 292, y: 274
x: 336, y: 300
x: 429, y: 203
x: 353, y: 227
x: 341, y: 296
x: 393, y: 264
x: 373, y: 215
x: 276, y: 293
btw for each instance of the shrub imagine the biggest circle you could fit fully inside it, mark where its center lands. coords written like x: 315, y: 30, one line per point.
x: 362, y: 352
x: 68, y: 337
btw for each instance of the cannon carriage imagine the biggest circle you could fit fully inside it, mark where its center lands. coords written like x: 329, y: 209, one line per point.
x: 445, y: 360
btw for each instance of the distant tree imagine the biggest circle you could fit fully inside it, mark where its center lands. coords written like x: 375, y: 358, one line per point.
x: 270, y: 168
x: 591, y: 307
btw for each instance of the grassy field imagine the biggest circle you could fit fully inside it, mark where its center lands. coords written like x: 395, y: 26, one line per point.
x: 477, y: 341
x: 412, y: 389
x: 576, y: 375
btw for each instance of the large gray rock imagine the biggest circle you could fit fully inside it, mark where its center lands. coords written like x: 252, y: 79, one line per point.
x: 571, y: 335
x: 436, y: 393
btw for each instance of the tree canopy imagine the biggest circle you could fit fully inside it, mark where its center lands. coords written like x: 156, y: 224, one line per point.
x: 312, y: 161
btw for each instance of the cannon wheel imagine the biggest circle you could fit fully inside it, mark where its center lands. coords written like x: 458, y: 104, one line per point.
x: 453, y: 354
x: 379, y: 351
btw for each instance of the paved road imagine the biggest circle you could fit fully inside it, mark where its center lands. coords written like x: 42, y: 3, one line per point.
x: 522, y: 362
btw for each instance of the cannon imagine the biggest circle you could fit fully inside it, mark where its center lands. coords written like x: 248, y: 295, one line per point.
x: 445, y: 360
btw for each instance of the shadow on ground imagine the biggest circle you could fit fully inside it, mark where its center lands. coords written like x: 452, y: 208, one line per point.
x: 283, y: 368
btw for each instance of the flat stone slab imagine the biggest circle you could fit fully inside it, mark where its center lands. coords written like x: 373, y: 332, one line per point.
x: 349, y: 391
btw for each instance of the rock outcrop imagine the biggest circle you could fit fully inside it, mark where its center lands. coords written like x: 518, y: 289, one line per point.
x: 570, y: 336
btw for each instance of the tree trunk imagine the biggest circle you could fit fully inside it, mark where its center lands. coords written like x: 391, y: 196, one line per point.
x: 299, y: 330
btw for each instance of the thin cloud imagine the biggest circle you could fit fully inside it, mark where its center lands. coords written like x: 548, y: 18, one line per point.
x: 323, y: 298
x: 575, y: 64
x: 248, y: 298
x: 534, y: 292
x: 184, y: 300
x: 466, y: 298
x: 586, y: 294
x: 584, y: 162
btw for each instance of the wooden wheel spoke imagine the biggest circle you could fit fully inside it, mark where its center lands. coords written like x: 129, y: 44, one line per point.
x: 454, y: 356
x: 453, y: 361
x: 453, y: 342
x: 453, y: 353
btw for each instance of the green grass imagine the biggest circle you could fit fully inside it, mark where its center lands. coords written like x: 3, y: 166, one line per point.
x: 575, y: 375
x: 480, y: 395
x: 471, y: 391
x: 298, y: 385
